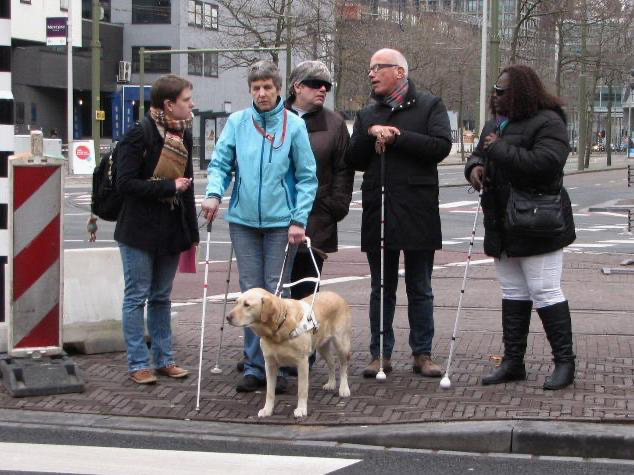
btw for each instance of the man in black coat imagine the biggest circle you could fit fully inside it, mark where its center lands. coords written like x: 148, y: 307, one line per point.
x: 310, y: 82
x: 412, y: 130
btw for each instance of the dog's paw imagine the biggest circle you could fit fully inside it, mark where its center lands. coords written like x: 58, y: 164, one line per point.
x: 344, y: 391
x: 265, y: 412
x: 300, y: 412
x: 330, y: 385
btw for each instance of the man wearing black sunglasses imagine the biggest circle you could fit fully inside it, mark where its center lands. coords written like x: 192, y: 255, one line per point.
x: 310, y: 83
x: 411, y: 128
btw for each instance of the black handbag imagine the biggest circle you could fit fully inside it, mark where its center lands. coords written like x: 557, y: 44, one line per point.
x: 534, y: 214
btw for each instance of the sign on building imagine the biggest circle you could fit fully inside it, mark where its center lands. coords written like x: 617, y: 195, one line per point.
x: 56, y: 31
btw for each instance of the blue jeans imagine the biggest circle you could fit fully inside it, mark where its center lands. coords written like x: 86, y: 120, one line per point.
x: 148, y: 277
x: 260, y: 254
x: 420, y: 300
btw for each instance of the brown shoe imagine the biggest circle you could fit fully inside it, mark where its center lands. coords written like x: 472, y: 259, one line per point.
x: 372, y: 369
x: 424, y: 365
x: 173, y: 371
x: 143, y: 376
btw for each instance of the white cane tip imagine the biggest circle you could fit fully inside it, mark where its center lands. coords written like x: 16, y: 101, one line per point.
x: 381, y: 376
x: 216, y: 370
x: 445, y: 383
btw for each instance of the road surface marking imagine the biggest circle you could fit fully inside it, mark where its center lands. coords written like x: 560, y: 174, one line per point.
x: 590, y: 245
x: 115, y: 461
x: 457, y: 204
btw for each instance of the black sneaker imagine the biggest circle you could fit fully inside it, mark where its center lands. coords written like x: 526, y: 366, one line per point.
x: 250, y: 384
x: 281, y: 385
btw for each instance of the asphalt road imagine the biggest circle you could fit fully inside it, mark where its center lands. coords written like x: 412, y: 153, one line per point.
x: 29, y: 450
x: 596, y: 231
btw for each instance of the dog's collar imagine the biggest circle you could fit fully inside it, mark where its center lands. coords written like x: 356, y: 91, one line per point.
x: 281, y: 323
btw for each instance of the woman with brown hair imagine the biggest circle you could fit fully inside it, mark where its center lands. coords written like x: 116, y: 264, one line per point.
x: 527, y: 217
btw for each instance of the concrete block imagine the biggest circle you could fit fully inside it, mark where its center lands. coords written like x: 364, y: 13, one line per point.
x: 93, y: 295
x: 574, y: 439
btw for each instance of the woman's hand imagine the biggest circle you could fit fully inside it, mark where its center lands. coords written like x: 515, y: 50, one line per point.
x: 477, y: 177
x: 210, y: 208
x: 182, y: 184
x: 489, y: 139
x: 296, y: 234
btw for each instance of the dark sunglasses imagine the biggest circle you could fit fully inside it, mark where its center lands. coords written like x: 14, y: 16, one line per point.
x: 317, y: 84
x: 499, y: 91
x: 377, y: 67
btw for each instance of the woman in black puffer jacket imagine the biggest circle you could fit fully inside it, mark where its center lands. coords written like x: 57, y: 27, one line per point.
x: 525, y: 147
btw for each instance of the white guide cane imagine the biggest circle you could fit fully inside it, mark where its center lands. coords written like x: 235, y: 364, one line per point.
x: 445, y: 382
x: 216, y: 369
x: 202, y: 322
x: 381, y: 374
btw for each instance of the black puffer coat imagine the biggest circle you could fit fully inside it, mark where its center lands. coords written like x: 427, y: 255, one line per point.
x: 412, y: 220
x: 146, y: 222
x: 329, y: 140
x: 530, y: 154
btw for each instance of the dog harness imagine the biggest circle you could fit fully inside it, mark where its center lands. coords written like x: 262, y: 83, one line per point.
x: 309, y: 322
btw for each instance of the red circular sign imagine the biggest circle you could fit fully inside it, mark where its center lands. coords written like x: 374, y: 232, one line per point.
x: 82, y: 152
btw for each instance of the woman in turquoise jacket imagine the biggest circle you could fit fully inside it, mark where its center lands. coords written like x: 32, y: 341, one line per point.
x: 268, y: 151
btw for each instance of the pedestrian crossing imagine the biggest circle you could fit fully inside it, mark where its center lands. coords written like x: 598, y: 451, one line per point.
x: 72, y: 459
x: 588, y: 223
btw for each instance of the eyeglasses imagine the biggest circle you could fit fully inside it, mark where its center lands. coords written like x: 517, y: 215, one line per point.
x: 499, y: 91
x: 377, y: 67
x: 317, y: 84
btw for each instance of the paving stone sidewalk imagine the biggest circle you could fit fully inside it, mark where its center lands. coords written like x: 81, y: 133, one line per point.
x: 604, y: 343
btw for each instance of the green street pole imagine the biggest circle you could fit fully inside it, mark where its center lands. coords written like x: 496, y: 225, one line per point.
x: 141, y: 83
x: 95, y: 45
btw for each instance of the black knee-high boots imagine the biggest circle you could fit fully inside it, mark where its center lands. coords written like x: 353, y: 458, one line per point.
x: 516, y: 318
x: 558, y: 328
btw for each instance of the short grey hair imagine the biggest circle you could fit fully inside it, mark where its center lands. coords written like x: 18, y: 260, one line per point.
x: 395, y: 57
x: 307, y: 70
x: 263, y: 70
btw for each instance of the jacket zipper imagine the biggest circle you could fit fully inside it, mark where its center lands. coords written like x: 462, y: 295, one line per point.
x: 288, y: 202
x: 260, y: 184
x: 235, y: 205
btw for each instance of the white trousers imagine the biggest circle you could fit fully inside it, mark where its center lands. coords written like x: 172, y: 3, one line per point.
x: 536, y: 278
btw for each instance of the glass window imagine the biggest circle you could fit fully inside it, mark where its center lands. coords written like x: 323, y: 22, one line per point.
x: 5, y: 8
x: 211, y: 65
x: 151, y: 11
x: 19, y: 113
x: 155, y: 63
x: 214, y: 17
x: 191, y: 12
x: 33, y: 113
x: 195, y: 64
x: 202, y: 15
x: 199, y: 14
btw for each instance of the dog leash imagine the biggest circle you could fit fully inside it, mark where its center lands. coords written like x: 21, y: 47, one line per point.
x: 309, y: 322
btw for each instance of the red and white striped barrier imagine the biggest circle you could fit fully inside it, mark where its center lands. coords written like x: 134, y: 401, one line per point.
x: 35, y: 256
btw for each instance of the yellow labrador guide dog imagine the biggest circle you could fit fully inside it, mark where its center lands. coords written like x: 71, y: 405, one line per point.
x: 277, y: 320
